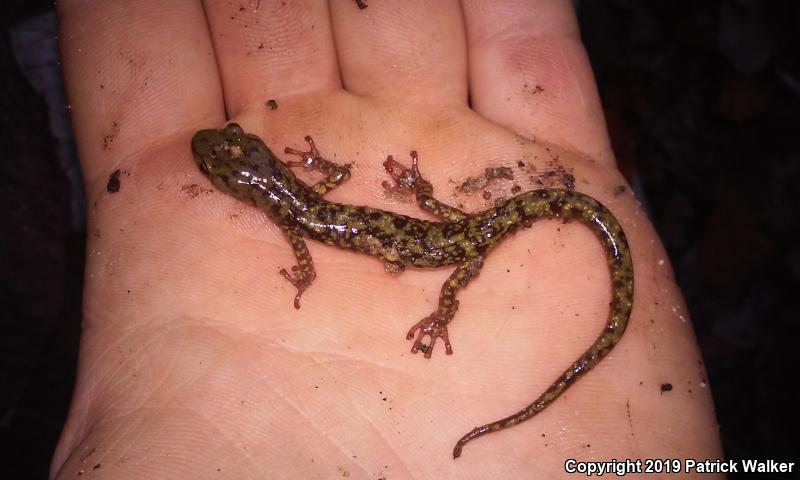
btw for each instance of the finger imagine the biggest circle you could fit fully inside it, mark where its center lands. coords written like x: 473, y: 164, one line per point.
x: 402, y: 48
x: 272, y: 49
x: 529, y: 72
x: 136, y: 73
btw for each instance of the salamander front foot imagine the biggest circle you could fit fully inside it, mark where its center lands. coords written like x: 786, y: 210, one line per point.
x: 310, y: 158
x: 433, y: 326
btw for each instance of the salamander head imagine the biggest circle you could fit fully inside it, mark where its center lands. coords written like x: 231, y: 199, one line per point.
x: 229, y: 149
x: 236, y: 162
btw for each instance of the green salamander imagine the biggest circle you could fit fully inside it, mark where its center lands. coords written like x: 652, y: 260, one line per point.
x: 240, y: 164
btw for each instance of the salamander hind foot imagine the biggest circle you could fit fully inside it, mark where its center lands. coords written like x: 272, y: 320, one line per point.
x: 404, y: 180
x: 301, y: 280
x: 434, y: 326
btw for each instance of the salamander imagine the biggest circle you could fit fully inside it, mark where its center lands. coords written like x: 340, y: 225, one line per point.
x: 240, y: 164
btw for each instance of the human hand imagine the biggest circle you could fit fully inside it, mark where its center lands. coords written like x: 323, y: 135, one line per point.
x: 193, y: 360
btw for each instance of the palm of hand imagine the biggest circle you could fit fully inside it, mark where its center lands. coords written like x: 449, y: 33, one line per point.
x: 192, y: 346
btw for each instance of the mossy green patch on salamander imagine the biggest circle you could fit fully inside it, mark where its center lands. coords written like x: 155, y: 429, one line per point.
x: 240, y: 164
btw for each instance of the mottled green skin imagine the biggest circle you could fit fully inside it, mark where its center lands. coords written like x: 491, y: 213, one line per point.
x: 241, y: 165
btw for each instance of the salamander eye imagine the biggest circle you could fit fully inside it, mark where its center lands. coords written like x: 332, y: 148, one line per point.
x: 213, y: 152
x: 234, y: 129
x: 203, y: 167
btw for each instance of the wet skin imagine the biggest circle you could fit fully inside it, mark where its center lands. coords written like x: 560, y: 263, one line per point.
x: 241, y: 165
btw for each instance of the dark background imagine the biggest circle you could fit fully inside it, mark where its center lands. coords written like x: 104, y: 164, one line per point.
x: 702, y: 100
